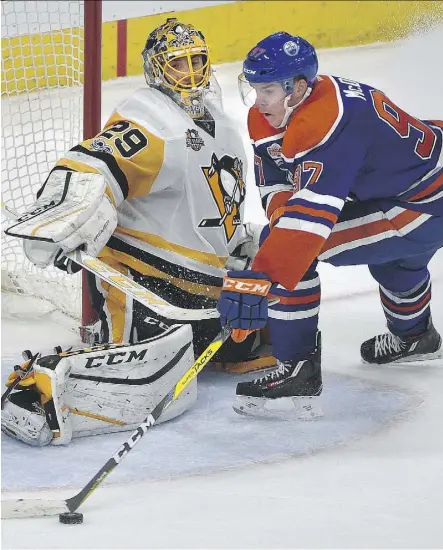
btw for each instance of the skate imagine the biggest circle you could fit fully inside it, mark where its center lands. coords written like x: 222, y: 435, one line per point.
x: 294, y: 387
x: 388, y: 348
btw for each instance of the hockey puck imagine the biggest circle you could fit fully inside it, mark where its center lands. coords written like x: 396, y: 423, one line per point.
x: 71, y: 518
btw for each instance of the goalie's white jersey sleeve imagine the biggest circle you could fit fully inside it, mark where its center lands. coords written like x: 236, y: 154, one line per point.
x: 179, y: 187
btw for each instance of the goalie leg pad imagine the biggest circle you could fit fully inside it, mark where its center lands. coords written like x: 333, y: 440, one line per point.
x: 102, y: 389
x: 114, y: 387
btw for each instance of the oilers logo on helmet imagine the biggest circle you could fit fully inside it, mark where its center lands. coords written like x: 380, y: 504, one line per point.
x: 225, y: 179
x: 291, y: 48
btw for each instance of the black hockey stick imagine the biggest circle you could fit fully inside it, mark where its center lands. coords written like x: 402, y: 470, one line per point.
x: 41, y: 507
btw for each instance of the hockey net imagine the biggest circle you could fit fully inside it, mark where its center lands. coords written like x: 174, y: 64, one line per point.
x: 51, y: 100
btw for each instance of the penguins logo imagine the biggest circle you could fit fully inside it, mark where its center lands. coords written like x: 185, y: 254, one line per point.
x: 225, y: 179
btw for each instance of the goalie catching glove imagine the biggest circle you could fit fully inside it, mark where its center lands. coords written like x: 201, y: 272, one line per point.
x: 72, y: 211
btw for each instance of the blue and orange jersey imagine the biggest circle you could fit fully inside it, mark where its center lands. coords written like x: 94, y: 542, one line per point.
x: 346, y: 141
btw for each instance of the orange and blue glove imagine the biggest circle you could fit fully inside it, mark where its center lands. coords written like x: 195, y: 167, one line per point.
x: 243, y: 303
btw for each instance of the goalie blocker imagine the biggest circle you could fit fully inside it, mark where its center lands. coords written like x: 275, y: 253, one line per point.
x: 99, y: 390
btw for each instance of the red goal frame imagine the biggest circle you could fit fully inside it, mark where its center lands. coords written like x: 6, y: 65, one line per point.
x: 92, y: 105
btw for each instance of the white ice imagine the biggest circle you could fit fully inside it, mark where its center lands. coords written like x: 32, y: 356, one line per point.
x: 369, y: 475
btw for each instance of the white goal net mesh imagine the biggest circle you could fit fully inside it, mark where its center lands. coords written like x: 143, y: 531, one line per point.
x: 42, y: 111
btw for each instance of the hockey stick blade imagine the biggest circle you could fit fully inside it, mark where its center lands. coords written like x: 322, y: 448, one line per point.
x: 21, y: 508
x: 32, y: 507
x: 130, y: 287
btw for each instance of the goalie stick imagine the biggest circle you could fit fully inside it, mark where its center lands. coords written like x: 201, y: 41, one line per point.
x: 45, y: 507
x: 138, y: 292
x: 130, y: 287
x: 15, y: 508
x: 22, y: 373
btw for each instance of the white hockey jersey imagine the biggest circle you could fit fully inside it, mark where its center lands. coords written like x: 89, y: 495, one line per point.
x: 178, y: 185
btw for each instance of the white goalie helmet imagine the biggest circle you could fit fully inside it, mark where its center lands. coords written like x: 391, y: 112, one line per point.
x: 176, y: 61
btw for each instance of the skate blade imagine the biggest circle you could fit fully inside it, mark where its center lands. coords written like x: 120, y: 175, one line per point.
x: 424, y: 357
x: 411, y: 359
x: 284, y: 408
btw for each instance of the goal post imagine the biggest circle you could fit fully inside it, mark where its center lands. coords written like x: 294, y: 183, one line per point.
x: 51, y: 100
x: 92, y: 108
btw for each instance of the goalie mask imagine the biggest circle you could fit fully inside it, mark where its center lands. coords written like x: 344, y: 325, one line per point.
x: 176, y: 61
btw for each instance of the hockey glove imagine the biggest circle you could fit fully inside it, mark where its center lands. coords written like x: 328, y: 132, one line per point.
x: 26, y: 376
x: 243, y: 303
x: 72, y: 211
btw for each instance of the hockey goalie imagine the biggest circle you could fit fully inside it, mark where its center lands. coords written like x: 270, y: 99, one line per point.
x: 159, y: 196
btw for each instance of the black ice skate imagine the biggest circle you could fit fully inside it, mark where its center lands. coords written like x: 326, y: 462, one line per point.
x: 294, y: 384
x: 388, y: 348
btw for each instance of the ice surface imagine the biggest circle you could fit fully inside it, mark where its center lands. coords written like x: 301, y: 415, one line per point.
x: 369, y: 475
x: 213, y: 437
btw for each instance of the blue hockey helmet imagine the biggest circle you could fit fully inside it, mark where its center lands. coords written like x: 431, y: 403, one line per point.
x: 281, y: 57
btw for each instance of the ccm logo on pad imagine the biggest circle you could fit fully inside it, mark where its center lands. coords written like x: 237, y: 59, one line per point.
x: 248, y: 286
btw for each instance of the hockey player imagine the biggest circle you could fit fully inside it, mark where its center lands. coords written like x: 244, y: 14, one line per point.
x: 159, y: 196
x: 346, y: 177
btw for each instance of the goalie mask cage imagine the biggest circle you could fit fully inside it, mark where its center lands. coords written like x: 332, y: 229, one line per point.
x: 51, y: 100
